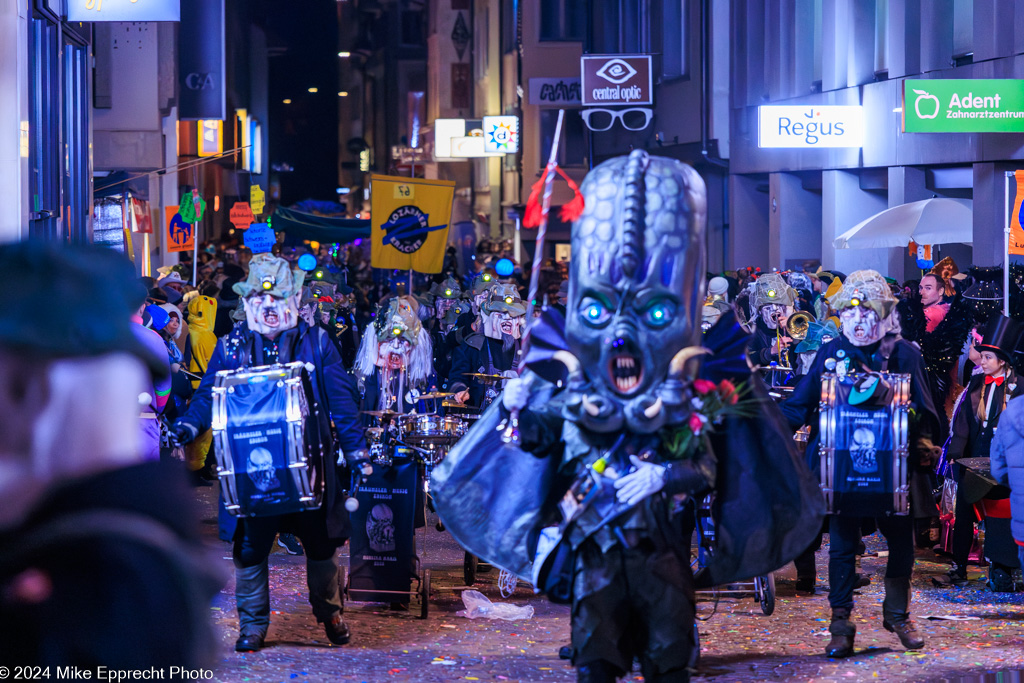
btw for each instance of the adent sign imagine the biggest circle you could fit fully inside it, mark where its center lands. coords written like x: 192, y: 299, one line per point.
x: 963, y: 106
x: 810, y: 127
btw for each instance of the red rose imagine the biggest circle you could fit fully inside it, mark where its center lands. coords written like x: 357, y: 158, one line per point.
x: 695, y: 424
x: 729, y: 393
x: 703, y: 386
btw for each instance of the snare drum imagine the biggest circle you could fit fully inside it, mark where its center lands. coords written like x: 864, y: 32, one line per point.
x: 432, y: 429
x: 267, y: 441
x: 863, y: 450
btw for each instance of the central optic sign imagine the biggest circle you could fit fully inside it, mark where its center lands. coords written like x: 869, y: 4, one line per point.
x: 810, y: 126
x: 616, y: 79
x: 963, y: 106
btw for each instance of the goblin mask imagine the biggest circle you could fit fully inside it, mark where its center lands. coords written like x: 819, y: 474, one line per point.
x: 635, y: 284
x: 861, y: 325
x: 270, y: 315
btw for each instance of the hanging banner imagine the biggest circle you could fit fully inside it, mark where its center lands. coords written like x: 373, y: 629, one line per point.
x: 410, y: 222
x: 201, y: 61
x: 241, y: 215
x: 257, y: 199
x: 179, y: 233
x: 1016, y: 220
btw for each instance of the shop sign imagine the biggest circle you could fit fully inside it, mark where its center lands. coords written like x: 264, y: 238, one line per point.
x: 211, y: 138
x: 124, y: 10
x: 616, y: 79
x: 953, y: 105
x: 180, y: 236
x: 201, y: 71
x: 810, y: 127
x: 555, y: 91
x: 257, y: 199
x: 501, y: 134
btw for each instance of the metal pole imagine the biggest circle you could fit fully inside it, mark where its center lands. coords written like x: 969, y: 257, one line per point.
x: 545, y: 207
x: 1006, y: 245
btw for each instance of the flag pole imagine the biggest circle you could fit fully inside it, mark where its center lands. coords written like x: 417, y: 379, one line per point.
x: 510, y: 432
x: 1006, y: 246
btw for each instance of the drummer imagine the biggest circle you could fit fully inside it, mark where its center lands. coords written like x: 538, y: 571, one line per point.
x: 495, y: 352
x: 395, y: 362
x: 974, y: 422
x: 870, y: 342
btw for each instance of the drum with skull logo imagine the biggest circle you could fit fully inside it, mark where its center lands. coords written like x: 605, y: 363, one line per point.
x: 863, y: 447
x: 269, y: 455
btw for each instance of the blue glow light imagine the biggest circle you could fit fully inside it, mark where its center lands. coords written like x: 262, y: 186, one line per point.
x: 307, y: 262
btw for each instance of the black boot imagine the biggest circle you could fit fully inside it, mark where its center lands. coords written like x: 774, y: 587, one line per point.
x: 337, y: 630
x: 896, y: 613
x: 252, y: 597
x: 843, y: 631
x: 597, y: 672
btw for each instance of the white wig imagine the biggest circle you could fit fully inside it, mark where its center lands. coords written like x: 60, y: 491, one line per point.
x: 419, y: 364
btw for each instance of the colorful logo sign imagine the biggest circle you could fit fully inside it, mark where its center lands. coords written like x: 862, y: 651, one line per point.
x: 955, y: 105
x: 501, y: 134
x: 810, y: 127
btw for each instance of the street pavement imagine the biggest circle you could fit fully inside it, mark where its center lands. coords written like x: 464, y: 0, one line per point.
x: 972, y: 631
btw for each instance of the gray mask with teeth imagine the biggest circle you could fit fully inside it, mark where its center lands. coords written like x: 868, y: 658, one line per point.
x: 635, y: 291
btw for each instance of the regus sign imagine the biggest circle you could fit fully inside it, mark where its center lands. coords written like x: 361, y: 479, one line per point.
x: 810, y: 127
x: 963, y: 106
x: 124, y: 10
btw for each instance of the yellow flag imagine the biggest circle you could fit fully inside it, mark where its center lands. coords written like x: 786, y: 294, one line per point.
x: 410, y: 222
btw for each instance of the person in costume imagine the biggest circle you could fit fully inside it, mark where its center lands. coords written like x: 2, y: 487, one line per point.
x: 622, y: 433
x: 273, y: 333
x: 870, y: 343
x: 395, y: 360
x: 495, y: 352
x: 771, y: 304
x: 101, y: 559
x: 202, y: 317
x: 449, y: 305
x: 974, y: 422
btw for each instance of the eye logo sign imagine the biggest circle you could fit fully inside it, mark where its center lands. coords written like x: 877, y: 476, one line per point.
x: 616, y: 71
x: 925, y: 97
x: 407, y: 229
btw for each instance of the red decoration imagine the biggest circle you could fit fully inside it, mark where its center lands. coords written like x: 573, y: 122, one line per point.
x: 569, y: 213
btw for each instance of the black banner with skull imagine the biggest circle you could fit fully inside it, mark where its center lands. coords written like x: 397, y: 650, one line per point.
x: 381, y: 548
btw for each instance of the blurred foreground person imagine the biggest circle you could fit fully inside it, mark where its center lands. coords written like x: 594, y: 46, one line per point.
x: 100, y: 557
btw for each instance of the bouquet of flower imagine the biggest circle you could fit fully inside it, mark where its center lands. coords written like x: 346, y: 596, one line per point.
x: 711, y: 404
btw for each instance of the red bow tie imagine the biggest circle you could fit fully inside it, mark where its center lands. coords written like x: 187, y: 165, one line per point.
x: 998, y: 381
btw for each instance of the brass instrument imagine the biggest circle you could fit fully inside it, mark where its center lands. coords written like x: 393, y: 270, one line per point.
x: 797, y: 325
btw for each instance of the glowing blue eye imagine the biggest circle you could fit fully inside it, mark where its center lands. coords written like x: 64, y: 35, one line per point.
x: 659, y: 315
x: 594, y: 312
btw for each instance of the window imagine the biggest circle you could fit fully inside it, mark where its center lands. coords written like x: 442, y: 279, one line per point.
x: 77, y: 188
x: 563, y: 20
x: 963, y: 28
x: 573, y: 144
x: 881, y: 36
x: 44, y: 129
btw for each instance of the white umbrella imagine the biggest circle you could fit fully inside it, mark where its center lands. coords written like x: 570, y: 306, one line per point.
x: 930, y: 221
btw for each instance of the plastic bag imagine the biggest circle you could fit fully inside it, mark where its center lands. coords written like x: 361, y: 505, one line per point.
x: 478, y: 605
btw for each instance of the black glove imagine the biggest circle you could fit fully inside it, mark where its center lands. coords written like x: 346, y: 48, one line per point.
x: 182, y: 433
x: 357, y: 460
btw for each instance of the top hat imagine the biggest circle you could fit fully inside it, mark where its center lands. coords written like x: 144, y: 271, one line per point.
x: 1001, y: 336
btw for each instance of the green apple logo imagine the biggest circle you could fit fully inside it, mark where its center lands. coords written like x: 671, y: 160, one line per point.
x: 923, y: 96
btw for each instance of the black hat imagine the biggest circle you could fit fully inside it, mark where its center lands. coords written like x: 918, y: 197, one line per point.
x: 1001, y: 336
x: 227, y: 294
x: 95, y: 288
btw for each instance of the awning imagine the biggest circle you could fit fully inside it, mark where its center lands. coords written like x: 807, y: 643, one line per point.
x: 326, y: 229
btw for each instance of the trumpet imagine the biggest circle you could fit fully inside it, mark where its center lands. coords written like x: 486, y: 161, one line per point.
x: 797, y: 325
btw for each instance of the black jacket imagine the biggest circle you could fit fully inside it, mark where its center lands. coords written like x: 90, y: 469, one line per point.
x: 968, y: 438
x: 478, y: 354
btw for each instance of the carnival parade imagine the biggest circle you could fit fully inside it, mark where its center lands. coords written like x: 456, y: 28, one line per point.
x: 595, y: 342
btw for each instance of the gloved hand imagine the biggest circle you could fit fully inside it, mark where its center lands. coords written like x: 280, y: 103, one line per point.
x: 646, y: 480
x: 182, y: 433
x: 516, y: 394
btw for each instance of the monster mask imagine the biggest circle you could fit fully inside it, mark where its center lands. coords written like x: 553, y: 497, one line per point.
x: 865, y: 303
x: 270, y: 295
x: 635, y: 287
x: 396, y: 342
x: 446, y: 295
x: 503, y: 313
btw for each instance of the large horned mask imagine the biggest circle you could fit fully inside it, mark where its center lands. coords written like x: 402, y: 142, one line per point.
x: 636, y: 283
